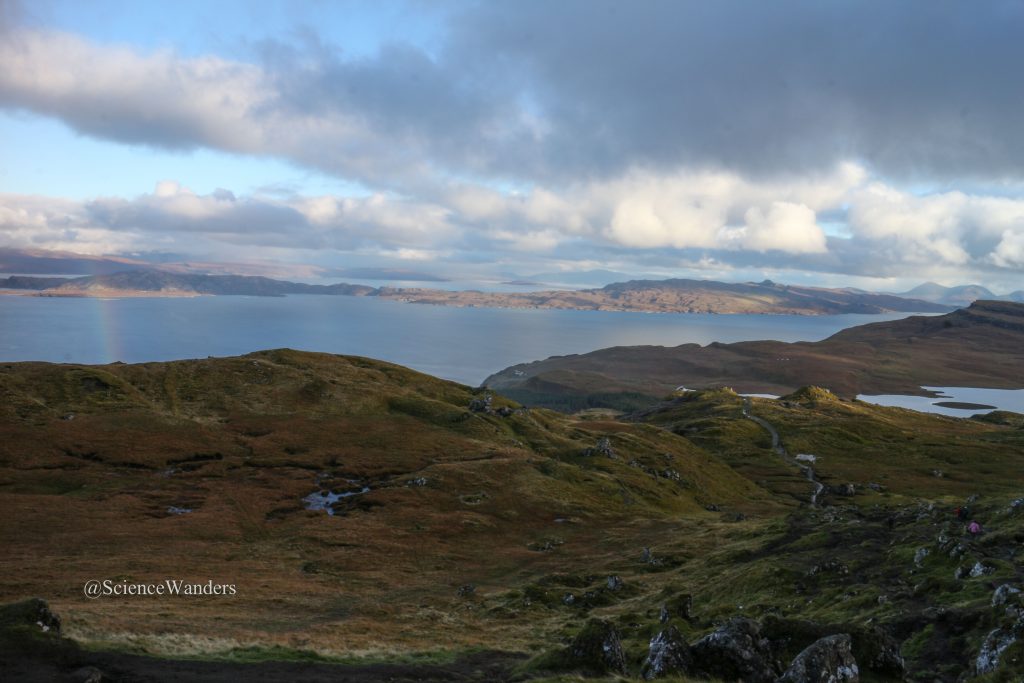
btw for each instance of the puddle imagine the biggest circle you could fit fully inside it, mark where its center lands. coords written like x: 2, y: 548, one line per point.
x: 323, y: 499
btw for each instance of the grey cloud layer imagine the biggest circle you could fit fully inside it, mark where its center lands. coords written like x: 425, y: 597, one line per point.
x: 724, y: 130
x: 556, y: 91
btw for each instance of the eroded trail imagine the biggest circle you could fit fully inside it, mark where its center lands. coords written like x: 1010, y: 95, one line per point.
x: 777, y: 446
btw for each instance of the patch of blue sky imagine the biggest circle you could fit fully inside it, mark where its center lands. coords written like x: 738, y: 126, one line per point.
x: 230, y: 28
x: 41, y: 156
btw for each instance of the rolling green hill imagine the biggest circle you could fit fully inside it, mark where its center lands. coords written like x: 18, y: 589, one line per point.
x: 480, y: 540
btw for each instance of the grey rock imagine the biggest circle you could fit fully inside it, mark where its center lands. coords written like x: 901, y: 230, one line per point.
x: 32, y: 612
x: 615, y: 583
x: 735, y: 650
x: 991, y: 649
x: 88, y: 674
x: 827, y: 660
x: 603, y: 447
x: 668, y: 655
x: 481, y: 405
x: 597, y: 649
x: 466, y: 591
x: 1003, y: 593
x: 920, y: 555
x: 981, y: 569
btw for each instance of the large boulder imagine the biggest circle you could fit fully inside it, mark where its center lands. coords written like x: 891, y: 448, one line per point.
x: 669, y: 655
x: 597, y: 649
x: 874, y: 647
x: 827, y: 660
x: 737, y: 650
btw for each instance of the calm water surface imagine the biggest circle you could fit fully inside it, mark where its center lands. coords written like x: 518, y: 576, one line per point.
x: 462, y: 344
x: 1001, y: 399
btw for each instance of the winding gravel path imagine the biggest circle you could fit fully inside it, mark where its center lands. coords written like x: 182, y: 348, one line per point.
x: 777, y: 446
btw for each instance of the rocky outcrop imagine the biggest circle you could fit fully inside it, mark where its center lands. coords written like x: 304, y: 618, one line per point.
x: 874, y: 648
x: 828, y: 660
x: 32, y: 612
x: 603, y: 447
x: 1003, y: 593
x: 992, y: 649
x: 597, y: 649
x: 668, y: 655
x: 737, y: 650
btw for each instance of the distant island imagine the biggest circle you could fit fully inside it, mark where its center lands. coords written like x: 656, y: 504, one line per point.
x: 649, y: 296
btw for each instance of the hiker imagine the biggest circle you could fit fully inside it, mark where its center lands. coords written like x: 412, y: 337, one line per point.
x: 974, y: 528
x: 963, y: 513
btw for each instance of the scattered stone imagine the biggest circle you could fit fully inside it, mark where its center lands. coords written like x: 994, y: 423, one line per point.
x: 668, y: 655
x: 603, y: 447
x: 671, y: 475
x: 920, y: 555
x: 830, y: 566
x: 646, y: 556
x: 481, y: 405
x: 844, y: 489
x: 418, y: 481
x: 961, y: 572
x: 68, y: 416
x: 876, y: 487
x: 828, y: 660
x: 466, y: 590
x: 568, y: 599
x: 88, y: 674
x: 1002, y: 594
x: 680, y: 606
x: 735, y: 650
x: 546, y: 545
x: 615, y: 583
x: 981, y: 569
x: 958, y: 551
x: 806, y: 457
x: 504, y: 411
x: 938, y: 474
x: 711, y: 507
x: 991, y: 649
x: 175, y: 510
x: 597, y: 649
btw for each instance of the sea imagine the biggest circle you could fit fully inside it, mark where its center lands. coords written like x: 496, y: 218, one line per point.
x: 461, y: 344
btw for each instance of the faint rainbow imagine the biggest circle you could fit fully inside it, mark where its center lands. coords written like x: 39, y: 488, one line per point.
x: 107, y: 329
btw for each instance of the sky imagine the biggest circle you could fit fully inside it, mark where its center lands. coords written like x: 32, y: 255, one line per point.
x: 875, y: 144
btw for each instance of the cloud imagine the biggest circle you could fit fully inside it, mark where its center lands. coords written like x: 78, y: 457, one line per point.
x: 734, y: 134
x: 552, y: 93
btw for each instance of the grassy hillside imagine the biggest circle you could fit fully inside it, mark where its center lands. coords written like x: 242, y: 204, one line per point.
x: 486, y: 528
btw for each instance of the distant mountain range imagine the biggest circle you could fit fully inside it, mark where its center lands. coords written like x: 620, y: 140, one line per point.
x: 682, y: 296
x: 159, y: 283
x: 962, y: 295
x: 661, y: 296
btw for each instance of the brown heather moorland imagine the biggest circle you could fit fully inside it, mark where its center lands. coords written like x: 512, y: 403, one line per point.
x: 490, y: 535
